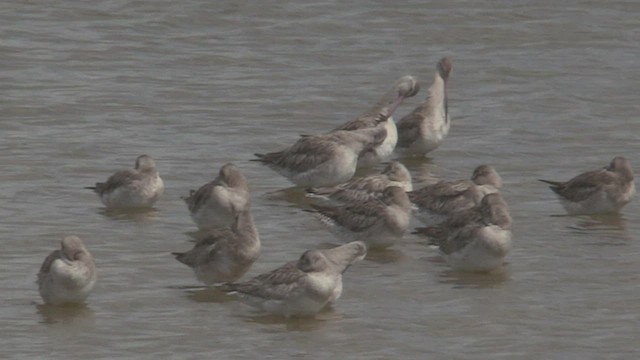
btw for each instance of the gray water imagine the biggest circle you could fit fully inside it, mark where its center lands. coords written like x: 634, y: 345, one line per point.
x: 543, y: 89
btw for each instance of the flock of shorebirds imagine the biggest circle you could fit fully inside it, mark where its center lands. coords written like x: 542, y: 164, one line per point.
x: 468, y: 220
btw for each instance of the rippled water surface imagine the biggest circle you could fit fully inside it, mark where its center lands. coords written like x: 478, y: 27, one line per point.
x: 539, y: 89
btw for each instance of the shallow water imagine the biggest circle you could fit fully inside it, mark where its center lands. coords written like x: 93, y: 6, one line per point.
x: 539, y: 90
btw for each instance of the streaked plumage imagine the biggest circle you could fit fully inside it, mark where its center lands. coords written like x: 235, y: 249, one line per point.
x: 424, y: 129
x: 224, y: 255
x: 596, y: 192
x: 303, y: 287
x: 132, y: 188
x: 406, y: 86
x: 377, y: 222
x: 436, y: 202
x: 67, y: 275
x: 323, y: 160
x: 368, y: 187
x: 217, y: 203
x: 477, y: 240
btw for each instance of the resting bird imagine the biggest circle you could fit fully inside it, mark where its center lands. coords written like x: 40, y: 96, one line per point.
x: 377, y: 222
x: 224, y: 255
x: 596, y: 192
x: 369, y: 187
x: 132, y: 188
x: 217, y: 203
x: 324, y: 160
x: 424, y: 129
x: 68, y: 275
x: 405, y: 87
x: 437, y: 201
x: 303, y: 287
x: 477, y: 240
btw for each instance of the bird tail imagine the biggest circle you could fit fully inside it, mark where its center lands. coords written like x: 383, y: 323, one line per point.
x: 267, y: 158
x: 182, y: 257
x: 97, y: 188
x: 227, y: 287
x: 187, y: 198
x: 433, y: 233
x: 426, y: 231
x: 553, y: 183
x: 260, y: 157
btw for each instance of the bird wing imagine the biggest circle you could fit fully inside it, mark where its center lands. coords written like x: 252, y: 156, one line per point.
x: 584, y: 185
x: 198, y: 198
x: 409, y: 127
x: 358, y: 216
x: 276, y: 284
x: 377, y: 114
x: 457, y: 239
x: 48, y: 262
x: 439, y: 195
x: 206, y: 247
x: 305, y: 154
x: 46, y: 265
x: 118, y: 179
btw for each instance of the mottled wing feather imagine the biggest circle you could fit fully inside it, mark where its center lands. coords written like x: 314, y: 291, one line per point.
x: 200, y: 197
x: 367, y: 120
x: 454, y: 222
x: 457, y: 239
x: 120, y: 178
x: 409, y: 127
x: 362, y: 122
x: 206, y: 247
x: 584, y: 185
x: 272, y: 285
x: 462, y: 218
x: 46, y: 265
x: 375, y: 183
x: 356, y: 217
x: 350, y: 195
x: 435, y: 195
x: 304, y: 155
x: 362, y: 189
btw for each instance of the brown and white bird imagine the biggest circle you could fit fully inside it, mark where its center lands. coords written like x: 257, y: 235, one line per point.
x: 597, y: 192
x: 68, y: 275
x: 218, y: 203
x: 224, y: 254
x: 475, y: 240
x: 405, y: 87
x: 379, y: 223
x: 424, y: 129
x: 303, y: 287
x: 132, y: 188
x: 434, y: 203
x: 368, y: 187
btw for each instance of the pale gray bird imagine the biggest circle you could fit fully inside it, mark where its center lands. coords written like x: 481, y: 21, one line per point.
x: 596, y: 192
x: 224, y: 254
x: 405, y: 87
x: 434, y: 203
x: 424, y: 129
x: 68, y: 275
x: 323, y: 160
x: 475, y: 240
x: 303, y: 287
x: 377, y: 222
x: 217, y: 203
x: 132, y: 188
x: 368, y: 187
